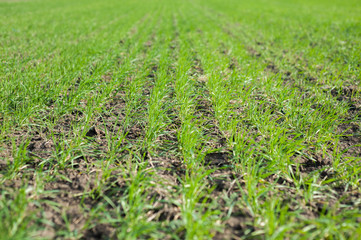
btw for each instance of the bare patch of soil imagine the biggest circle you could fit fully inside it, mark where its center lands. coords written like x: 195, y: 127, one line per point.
x: 100, y: 232
x: 225, y: 182
x: 350, y: 142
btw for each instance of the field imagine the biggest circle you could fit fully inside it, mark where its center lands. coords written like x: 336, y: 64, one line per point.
x: 193, y: 119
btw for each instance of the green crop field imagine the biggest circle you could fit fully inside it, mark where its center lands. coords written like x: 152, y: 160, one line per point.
x: 180, y: 119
